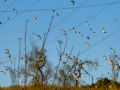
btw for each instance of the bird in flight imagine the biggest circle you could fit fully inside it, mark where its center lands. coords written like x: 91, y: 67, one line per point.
x: 112, y: 49
x: 105, y: 57
x: 33, y: 33
x: 103, y: 31
x: 87, y: 44
x: 80, y: 34
x: 4, y: 1
x: 38, y: 36
x: 34, y: 18
x: 74, y: 30
x: 72, y: 2
x: 7, y: 17
x: 103, y: 38
x: 55, y: 13
x: 88, y: 37
x: 91, y: 31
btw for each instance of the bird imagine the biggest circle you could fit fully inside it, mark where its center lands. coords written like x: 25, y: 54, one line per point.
x: 21, y: 27
x: 88, y: 37
x: 105, y: 57
x: 87, y: 44
x: 59, y: 41
x: 6, y: 69
x: 80, y: 34
x: 4, y: 1
x: 20, y: 39
x: 7, y: 51
x: 113, y: 49
x: 117, y: 57
x: 93, y: 18
x: 97, y: 60
x: 7, y: 17
x: 11, y: 62
x: 74, y: 30
x: 55, y: 13
x: 0, y: 62
x: 87, y: 23
x: 38, y: 36
x: 100, y: 66
x: 0, y: 23
x: 69, y: 30
x: 103, y: 38
x: 91, y: 31
x: 60, y: 30
x: 22, y: 58
x: 72, y: 2
x: 115, y: 19
x: 9, y: 56
x: 64, y: 55
x: 33, y: 33
x: 65, y: 34
x: 15, y: 10
x: 67, y: 55
x: 61, y: 7
x: 42, y: 11
x: 34, y: 18
x: 63, y: 30
x: 87, y: 65
x: 103, y: 31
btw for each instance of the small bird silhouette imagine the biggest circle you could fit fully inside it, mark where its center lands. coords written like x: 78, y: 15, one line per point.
x: 4, y: 1
x: 65, y: 34
x: 113, y: 49
x: 74, y: 30
x: 88, y: 37
x: 87, y: 23
x: 72, y: 2
x: 93, y: 18
x: 21, y: 27
x: 105, y: 57
x: 0, y: 23
x: 33, y: 33
x: 38, y: 36
x: 7, y: 17
x: 59, y: 41
x: 103, y: 31
x: 103, y: 38
x: 20, y: 39
x: 34, y: 18
x: 15, y: 10
x: 91, y: 31
x: 42, y: 11
x: 80, y: 34
x: 87, y: 44
x: 63, y: 30
x: 61, y: 7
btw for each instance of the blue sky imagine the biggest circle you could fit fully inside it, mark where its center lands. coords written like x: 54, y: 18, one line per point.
x: 10, y: 31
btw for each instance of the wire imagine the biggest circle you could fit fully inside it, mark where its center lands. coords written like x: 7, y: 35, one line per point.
x: 51, y: 29
x: 20, y: 13
x: 64, y: 8
x: 8, y: 7
x: 68, y: 31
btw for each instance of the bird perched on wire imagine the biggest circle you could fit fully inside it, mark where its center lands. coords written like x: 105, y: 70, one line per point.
x: 64, y: 55
x: 38, y: 36
x: 87, y: 44
x: 0, y: 23
x: 9, y: 56
x: 91, y: 31
x: 88, y: 37
x: 113, y: 49
x: 80, y: 34
x: 67, y: 55
x: 34, y: 18
x: 42, y: 11
x: 87, y: 23
x: 74, y: 30
x: 7, y: 17
x: 55, y: 13
x: 4, y: 1
x: 20, y: 39
x: 93, y: 18
x: 72, y: 2
x: 61, y: 8
x: 103, y: 31
x: 105, y: 57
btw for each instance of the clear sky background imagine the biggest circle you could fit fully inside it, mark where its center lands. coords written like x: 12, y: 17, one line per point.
x: 10, y: 32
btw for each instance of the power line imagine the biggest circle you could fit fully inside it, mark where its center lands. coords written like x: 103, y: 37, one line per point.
x: 8, y: 7
x: 75, y: 27
x: 21, y: 12
x: 52, y: 28
x: 64, y: 8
